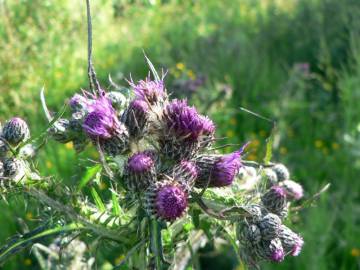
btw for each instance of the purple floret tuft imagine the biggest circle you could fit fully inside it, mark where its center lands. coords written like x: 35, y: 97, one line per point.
x: 101, y: 121
x: 278, y: 255
x: 140, y: 162
x: 225, y: 169
x: 148, y: 90
x: 171, y: 202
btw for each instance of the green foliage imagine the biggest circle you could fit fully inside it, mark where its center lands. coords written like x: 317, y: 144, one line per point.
x: 250, y: 46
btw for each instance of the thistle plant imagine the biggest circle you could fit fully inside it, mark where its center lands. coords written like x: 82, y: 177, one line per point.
x: 167, y: 181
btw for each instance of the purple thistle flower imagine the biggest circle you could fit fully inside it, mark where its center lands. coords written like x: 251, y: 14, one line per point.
x: 183, y: 130
x: 166, y: 200
x: 225, y: 169
x: 140, y: 171
x: 277, y: 255
x: 101, y: 120
x: 140, y: 162
x: 148, y: 90
x: 15, y: 131
x: 218, y: 171
x: 293, y: 190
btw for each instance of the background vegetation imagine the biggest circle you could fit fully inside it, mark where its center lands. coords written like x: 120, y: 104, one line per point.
x: 297, y: 62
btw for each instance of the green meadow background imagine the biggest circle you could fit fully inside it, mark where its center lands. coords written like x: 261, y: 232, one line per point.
x: 296, y: 62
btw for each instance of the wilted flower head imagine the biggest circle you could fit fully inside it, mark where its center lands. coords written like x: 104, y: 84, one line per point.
x: 14, y: 169
x: 186, y: 173
x: 136, y: 117
x: 270, y: 226
x: 291, y: 241
x: 148, y: 90
x: 15, y: 131
x: 271, y: 250
x: 293, y: 190
x: 166, y: 200
x: 281, y: 171
x: 274, y: 200
x: 140, y: 171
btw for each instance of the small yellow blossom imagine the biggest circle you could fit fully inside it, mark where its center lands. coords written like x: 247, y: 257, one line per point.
x: 119, y: 259
x: 290, y: 132
x: 283, y: 150
x: 335, y: 146
x: 233, y: 121
x: 69, y: 145
x: 255, y: 143
x: 355, y: 252
x: 263, y: 133
x: 180, y: 66
x: 230, y: 134
x: 252, y: 157
x: 319, y: 143
x: 27, y: 262
x: 102, y: 185
x: 191, y: 75
x: 49, y: 164
x: 29, y: 216
x: 325, y: 151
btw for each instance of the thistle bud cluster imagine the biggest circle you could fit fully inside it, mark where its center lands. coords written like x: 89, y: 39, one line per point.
x: 263, y: 234
x: 14, y: 153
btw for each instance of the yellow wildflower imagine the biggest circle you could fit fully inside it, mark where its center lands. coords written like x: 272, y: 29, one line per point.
x: 180, y: 66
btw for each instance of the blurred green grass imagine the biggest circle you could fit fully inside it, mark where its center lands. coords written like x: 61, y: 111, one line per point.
x: 259, y: 49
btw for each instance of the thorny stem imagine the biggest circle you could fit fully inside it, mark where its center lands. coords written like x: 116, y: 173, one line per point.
x: 93, y: 82
x: 155, y: 242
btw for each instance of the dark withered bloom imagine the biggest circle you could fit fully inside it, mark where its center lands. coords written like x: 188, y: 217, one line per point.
x: 218, y: 171
x: 274, y: 200
x: 149, y: 90
x: 291, y: 241
x: 269, y: 226
x: 166, y: 200
x: 136, y: 117
x: 102, y: 125
x: 140, y: 171
x: 15, y: 131
x: 271, y: 250
x: 185, y: 173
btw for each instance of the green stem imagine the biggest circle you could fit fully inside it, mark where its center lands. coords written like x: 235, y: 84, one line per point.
x: 155, y: 242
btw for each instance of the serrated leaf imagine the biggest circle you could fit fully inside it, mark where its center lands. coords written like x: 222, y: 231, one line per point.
x: 89, y: 174
x: 99, y: 203
x: 115, y: 203
x: 17, y: 244
x: 269, y: 145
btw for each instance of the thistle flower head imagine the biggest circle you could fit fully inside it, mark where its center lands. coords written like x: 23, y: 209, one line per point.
x: 140, y: 162
x: 140, y: 171
x: 270, y: 177
x: 291, y: 241
x: 136, y: 117
x: 281, y: 171
x: 148, y: 90
x: 271, y: 250
x: 274, y: 200
x: 184, y: 120
x: 186, y: 173
x: 167, y: 200
x: 101, y: 121
x: 270, y: 226
x: 293, y: 190
x: 15, y: 131
x: 79, y: 102
x: 14, y: 169
x: 117, y: 99
x: 225, y: 169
